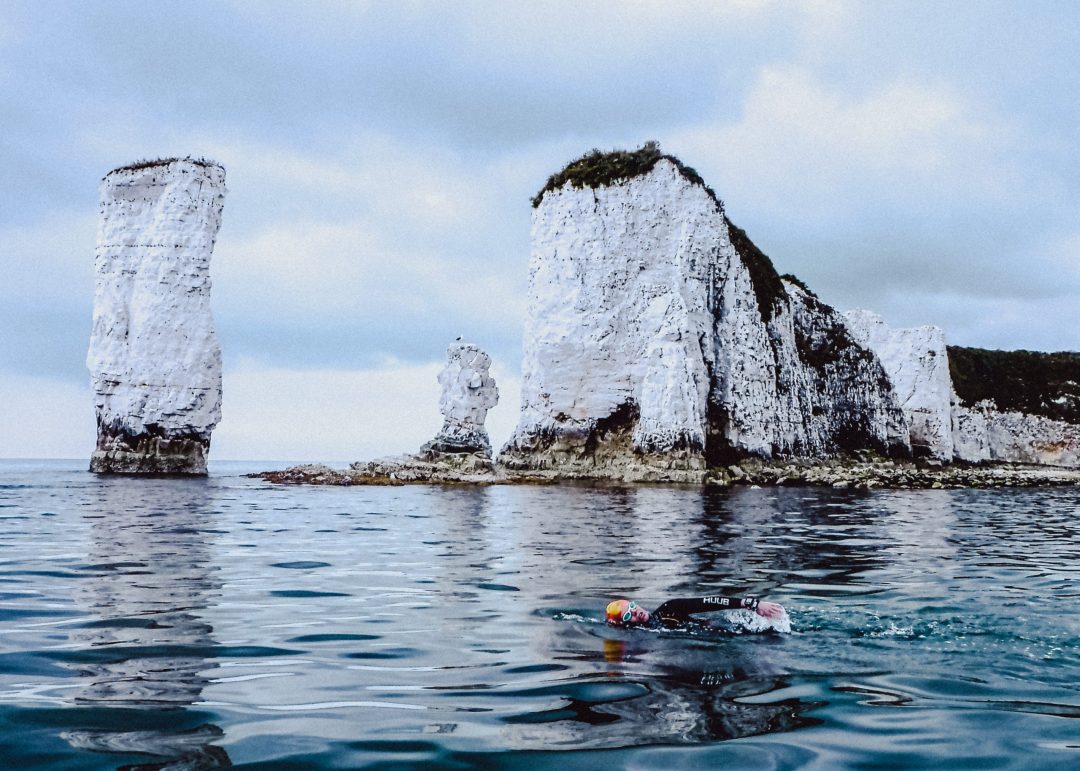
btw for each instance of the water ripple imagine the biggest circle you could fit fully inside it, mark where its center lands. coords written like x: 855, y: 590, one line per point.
x: 206, y: 622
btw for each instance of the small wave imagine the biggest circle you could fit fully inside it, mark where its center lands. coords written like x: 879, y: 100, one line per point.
x: 321, y: 705
x: 561, y: 616
x: 747, y: 621
x: 892, y: 630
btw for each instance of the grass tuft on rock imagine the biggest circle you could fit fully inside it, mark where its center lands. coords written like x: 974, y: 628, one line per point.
x: 799, y: 283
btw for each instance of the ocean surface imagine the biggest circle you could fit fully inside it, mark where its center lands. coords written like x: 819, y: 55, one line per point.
x: 164, y: 623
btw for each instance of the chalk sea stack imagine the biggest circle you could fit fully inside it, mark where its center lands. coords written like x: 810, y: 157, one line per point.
x: 468, y: 392
x: 658, y: 334
x: 154, y: 358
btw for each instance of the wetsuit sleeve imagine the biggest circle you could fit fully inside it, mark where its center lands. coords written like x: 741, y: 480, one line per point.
x: 677, y: 611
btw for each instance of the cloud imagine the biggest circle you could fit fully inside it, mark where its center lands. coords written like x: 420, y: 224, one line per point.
x: 46, y: 418
x: 804, y: 149
x: 902, y: 187
x: 391, y: 250
x: 994, y: 322
x: 274, y: 413
x: 46, y: 295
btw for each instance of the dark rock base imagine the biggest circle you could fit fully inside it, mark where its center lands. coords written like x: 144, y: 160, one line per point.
x: 146, y: 454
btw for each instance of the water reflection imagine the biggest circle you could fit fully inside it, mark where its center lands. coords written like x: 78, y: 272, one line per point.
x: 548, y: 554
x: 664, y: 690
x: 452, y: 627
x: 146, y: 651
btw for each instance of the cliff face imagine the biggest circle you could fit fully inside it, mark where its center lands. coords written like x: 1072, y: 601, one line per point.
x: 656, y: 332
x: 619, y: 304
x: 917, y: 363
x: 154, y: 359
x: 1016, y: 406
x: 981, y: 432
x: 1046, y: 384
x: 973, y: 405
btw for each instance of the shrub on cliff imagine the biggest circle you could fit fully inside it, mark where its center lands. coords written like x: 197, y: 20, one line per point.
x: 599, y: 169
x: 146, y: 163
x: 768, y: 288
x: 1045, y: 384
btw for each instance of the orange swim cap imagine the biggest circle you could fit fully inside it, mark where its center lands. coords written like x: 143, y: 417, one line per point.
x: 618, y: 611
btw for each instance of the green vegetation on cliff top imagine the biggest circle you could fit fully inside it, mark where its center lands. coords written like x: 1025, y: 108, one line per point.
x: 1045, y: 384
x: 599, y: 169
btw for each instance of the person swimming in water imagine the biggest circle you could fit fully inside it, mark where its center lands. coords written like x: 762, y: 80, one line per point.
x: 677, y: 612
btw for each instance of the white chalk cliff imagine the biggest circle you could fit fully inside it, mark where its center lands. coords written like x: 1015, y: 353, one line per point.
x: 981, y: 432
x: 917, y: 362
x: 154, y: 358
x: 656, y: 332
x: 468, y: 392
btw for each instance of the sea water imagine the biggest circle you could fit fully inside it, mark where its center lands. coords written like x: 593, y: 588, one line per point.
x: 172, y: 623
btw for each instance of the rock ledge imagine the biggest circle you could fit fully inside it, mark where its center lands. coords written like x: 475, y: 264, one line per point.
x: 865, y: 473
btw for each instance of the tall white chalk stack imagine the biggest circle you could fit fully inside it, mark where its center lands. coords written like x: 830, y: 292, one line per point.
x: 154, y: 358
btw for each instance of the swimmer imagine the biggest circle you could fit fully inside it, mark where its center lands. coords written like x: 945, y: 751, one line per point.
x: 675, y: 612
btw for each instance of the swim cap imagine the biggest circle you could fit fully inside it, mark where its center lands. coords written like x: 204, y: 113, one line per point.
x: 619, y: 611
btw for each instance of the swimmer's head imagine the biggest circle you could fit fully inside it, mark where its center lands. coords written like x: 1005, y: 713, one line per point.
x: 626, y: 613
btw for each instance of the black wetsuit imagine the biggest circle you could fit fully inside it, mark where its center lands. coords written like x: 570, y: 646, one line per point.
x: 675, y: 612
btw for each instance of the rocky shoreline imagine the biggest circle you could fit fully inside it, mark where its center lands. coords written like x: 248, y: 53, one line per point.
x: 865, y: 473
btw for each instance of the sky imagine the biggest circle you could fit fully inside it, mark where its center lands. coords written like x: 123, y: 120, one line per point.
x: 920, y: 159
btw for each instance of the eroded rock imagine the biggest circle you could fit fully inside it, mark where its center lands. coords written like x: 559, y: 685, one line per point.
x: 917, y: 363
x: 468, y: 392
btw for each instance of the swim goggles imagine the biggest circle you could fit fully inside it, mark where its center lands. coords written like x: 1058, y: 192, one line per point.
x: 629, y: 614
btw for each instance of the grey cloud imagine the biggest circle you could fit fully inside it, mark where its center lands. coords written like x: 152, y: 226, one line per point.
x: 505, y: 100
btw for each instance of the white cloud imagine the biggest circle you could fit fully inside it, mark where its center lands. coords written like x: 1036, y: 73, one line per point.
x: 51, y: 262
x: 45, y: 418
x: 341, y: 415
x: 1007, y: 323
x: 805, y: 149
x: 387, y: 221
